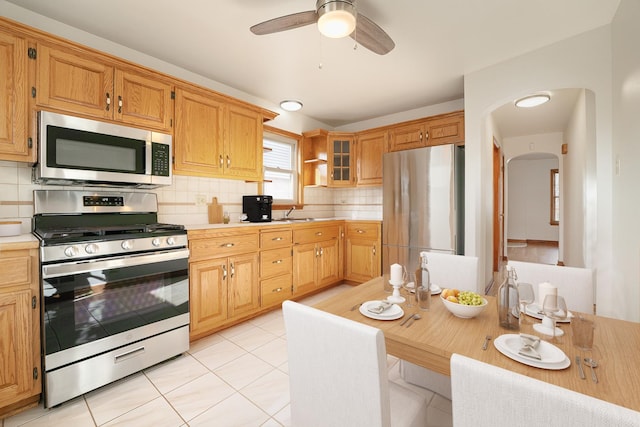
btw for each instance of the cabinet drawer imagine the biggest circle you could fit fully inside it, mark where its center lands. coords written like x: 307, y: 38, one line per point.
x: 275, y: 290
x: 316, y: 234
x: 275, y: 262
x: 363, y: 230
x: 16, y: 270
x: 275, y: 239
x: 223, y: 245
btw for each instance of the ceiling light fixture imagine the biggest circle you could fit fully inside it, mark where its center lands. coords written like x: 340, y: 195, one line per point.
x: 291, y: 105
x: 532, y: 101
x: 336, y: 18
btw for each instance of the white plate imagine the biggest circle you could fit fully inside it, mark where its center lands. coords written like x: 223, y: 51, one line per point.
x: 435, y: 289
x: 392, y: 313
x: 534, y: 309
x: 552, y: 356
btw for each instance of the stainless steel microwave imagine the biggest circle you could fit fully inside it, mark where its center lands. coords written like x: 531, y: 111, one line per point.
x: 77, y: 151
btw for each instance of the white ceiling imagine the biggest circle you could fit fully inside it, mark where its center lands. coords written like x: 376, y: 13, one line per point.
x: 437, y: 42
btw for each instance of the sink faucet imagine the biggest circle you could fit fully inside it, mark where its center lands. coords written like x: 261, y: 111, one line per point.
x: 286, y: 215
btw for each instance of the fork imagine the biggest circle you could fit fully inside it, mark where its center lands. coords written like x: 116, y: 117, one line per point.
x: 486, y: 342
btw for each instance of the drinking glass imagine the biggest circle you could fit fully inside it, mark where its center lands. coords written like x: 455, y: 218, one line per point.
x: 526, y: 297
x: 555, y: 308
x: 409, y: 286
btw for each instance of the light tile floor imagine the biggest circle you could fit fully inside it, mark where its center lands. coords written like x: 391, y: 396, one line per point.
x: 237, y: 377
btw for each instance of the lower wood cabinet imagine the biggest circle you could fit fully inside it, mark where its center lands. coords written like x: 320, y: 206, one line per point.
x: 362, y: 251
x: 20, y: 370
x: 317, y: 257
x: 276, y: 264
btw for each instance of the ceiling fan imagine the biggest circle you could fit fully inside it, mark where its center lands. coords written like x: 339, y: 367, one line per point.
x: 335, y: 18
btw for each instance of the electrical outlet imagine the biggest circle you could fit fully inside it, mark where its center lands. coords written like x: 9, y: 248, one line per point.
x: 201, y: 200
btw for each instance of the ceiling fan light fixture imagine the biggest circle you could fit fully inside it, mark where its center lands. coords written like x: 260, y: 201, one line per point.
x: 291, y: 105
x: 336, y: 18
x: 532, y: 100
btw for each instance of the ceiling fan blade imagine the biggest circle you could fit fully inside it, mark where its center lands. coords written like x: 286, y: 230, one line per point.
x: 371, y: 36
x: 287, y: 22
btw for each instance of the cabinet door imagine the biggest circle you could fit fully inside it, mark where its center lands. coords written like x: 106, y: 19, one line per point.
x: 75, y: 82
x: 198, y: 134
x: 243, y: 144
x: 370, y: 149
x: 329, y: 267
x: 446, y: 130
x: 407, y: 137
x: 13, y: 100
x: 208, y: 294
x: 16, y: 329
x: 362, y: 260
x: 304, y: 268
x: 244, y: 285
x: 341, y: 161
x: 142, y: 100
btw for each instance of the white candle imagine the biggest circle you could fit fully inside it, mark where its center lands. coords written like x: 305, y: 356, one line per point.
x: 396, y: 273
x: 544, y: 289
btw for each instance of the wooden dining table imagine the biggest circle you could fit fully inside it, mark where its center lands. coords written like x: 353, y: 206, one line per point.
x: 431, y: 340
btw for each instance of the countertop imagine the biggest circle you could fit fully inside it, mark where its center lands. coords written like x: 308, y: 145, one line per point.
x: 272, y: 223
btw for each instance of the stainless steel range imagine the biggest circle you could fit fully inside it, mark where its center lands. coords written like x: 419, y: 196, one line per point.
x: 115, y: 288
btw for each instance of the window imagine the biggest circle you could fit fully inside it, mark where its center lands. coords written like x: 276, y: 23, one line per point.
x: 555, y: 197
x: 280, y: 168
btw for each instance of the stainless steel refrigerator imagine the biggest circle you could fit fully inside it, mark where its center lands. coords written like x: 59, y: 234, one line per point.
x: 423, y: 204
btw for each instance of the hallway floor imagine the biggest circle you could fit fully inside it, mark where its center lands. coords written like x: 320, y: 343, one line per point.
x: 237, y: 377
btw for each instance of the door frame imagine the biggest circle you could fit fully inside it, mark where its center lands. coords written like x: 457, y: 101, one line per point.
x: 498, y: 207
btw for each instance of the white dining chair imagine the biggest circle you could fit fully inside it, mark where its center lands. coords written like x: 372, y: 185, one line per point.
x: 447, y: 271
x: 338, y: 374
x: 485, y: 395
x: 575, y: 284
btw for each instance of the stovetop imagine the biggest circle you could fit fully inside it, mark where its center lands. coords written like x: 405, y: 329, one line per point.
x: 106, y: 232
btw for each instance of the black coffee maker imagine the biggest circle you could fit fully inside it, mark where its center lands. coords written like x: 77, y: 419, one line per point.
x: 257, y: 208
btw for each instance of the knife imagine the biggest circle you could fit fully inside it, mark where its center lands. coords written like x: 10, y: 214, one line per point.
x: 579, y: 363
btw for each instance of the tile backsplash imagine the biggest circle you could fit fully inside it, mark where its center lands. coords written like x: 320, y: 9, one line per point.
x: 185, y: 202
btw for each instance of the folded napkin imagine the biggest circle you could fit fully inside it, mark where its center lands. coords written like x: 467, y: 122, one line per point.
x: 529, y: 344
x: 379, y: 308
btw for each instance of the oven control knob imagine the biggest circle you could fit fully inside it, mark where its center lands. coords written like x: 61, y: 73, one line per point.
x: 72, y: 251
x: 127, y: 244
x: 155, y: 242
x: 92, y: 248
x: 171, y: 241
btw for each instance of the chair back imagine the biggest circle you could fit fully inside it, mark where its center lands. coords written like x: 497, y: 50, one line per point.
x: 573, y: 283
x: 337, y: 370
x: 454, y: 271
x: 485, y: 395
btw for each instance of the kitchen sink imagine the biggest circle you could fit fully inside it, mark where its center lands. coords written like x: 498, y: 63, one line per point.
x: 292, y: 219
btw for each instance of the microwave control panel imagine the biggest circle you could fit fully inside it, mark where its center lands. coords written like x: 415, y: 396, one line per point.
x: 160, y: 159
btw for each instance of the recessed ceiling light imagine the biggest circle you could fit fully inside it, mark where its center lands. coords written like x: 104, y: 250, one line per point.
x: 532, y: 101
x: 291, y: 105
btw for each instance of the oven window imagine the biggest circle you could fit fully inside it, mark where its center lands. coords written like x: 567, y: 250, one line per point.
x: 77, y: 149
x: 86, y: 307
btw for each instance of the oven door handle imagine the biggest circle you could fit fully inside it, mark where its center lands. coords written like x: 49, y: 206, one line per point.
x: 56, y: 270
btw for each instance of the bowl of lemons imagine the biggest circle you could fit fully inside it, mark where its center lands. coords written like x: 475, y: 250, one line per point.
x: 463, y: 304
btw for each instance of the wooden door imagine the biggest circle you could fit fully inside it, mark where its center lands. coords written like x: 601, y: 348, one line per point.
x: 406, y: 137
x: 243, y: 144
x: 143, y: 100
x: 370, y: 149
x: 208, y: 294
x: 329, y: 267
x: 498, y: 207
x: 243, y: 284
x: 341, y: 160
x: 198, y: 141
x: 74, y: 81
x: 304, y: 268
x: 13, y: 100
x: 445, y: 130
x: 361, y: 255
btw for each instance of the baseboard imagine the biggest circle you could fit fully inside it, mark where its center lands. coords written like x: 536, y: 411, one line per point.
x: 533, y: 242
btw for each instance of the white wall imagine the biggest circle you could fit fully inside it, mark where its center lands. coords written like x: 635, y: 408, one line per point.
x: 528, y: 200
x: 583, y: 61
x: 622, y: 296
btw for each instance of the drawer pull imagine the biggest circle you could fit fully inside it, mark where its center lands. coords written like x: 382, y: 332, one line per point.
x: 278, y: 261
x: 277, y: 290
x: 360, y: 231
x: 227, y: 245
x: 277, y: 239
x: 319, y: 233
x: 128, y: 354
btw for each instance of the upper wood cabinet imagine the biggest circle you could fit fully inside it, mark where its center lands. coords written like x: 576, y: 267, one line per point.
x: 370, y: 149
x: 14, y: 95
x: 342, y: 159
x: 314, y: 158
x: 436, y: 130
x: 77, y: 81
x: 216, y: 138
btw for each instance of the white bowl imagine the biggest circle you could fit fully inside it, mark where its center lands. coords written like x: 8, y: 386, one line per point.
x: 10, y: 228
x: 464, y: 311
